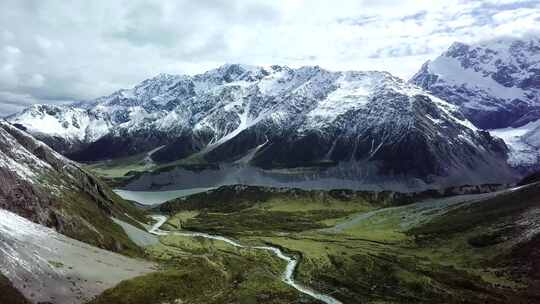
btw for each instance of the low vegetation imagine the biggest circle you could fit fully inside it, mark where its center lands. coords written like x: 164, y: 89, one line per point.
x: 199, y: 270
x: 365, y: 249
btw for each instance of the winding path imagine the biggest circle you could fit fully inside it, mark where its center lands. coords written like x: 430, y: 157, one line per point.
x: 288, y: 275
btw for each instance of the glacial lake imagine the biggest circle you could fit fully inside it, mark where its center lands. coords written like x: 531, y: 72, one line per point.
x: 149, y: 198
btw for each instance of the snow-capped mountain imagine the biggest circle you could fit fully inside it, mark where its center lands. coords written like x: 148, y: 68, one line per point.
x: 524, y: 145
x: 64, y: 126
x: 276, y: 117
x: 43, y: 186
x: 495, y: 83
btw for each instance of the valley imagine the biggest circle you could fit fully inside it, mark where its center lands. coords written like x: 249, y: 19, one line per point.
x: 361, y: 248
x: 240, y: 243
x: 279, y: 184
x: 287, y: 276
x: 304, y: 127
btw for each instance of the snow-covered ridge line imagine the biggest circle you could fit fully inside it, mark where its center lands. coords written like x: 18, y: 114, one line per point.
x: 217, y: 102
x: 17, y: 159
x: 304, y: 117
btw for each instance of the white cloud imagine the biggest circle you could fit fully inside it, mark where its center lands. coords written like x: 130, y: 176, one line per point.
x: 36, y: 81
x: 55, y: 50
x: 12, y: 51
x: 12, y: 102
x: 8, y: 75
x: 7, y: 35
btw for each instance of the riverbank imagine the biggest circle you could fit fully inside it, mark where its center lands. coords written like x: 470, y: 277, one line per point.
x: 287, y: 276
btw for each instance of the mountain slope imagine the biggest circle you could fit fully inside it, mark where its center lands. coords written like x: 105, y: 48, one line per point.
x: 278, y: 117
x: 495, y: 83
x: 46, y: 188
x: 9, y: 294
x: 523, y: 145
x: 48, y: 267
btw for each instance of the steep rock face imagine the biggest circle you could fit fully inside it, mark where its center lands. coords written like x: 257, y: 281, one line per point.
x: 46, y: 188
x: 278, y: 117
x: 495, y: 83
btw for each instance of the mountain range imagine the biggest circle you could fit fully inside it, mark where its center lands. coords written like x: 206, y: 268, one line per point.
x: 468, y: 117
x: 373, y: 126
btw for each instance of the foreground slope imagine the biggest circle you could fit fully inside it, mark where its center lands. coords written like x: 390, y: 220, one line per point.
x: 46, y: 188
x: 9, y: 294
x: 48, y: 267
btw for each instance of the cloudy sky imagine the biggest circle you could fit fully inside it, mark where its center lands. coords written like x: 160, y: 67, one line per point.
x: 59, y: 51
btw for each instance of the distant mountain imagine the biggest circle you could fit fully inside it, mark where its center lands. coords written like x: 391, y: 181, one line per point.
x: 278, y: 117
x: 39, y: 184
x: 495, y: 83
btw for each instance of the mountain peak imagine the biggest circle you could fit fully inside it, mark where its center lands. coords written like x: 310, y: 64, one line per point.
x: 230, y: 72
x: 238, y: 66
x: 301, y: 116
x: 457, y: 49
x: 495, y: 82
x: 161, y: 77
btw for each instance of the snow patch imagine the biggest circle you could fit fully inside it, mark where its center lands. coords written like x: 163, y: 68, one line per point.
x: 521, y: 152
x: 351, y: 93
x: 450, y: 70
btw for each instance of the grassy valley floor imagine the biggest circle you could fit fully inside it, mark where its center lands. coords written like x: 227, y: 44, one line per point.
x: 357, y: 247
x: 199, y: 270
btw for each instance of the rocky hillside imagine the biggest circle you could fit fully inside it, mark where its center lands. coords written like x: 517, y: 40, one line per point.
x: 9, y: 294
x: 277, y: 117
x: 41, y: 185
